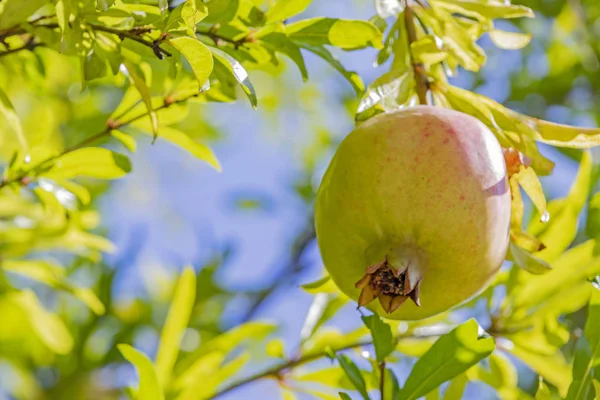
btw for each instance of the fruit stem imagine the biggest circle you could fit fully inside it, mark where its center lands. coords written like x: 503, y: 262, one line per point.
x: 421, y: 80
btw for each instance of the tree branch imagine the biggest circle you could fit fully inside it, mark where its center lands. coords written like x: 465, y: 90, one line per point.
x: 278, y: 370
x: 421, y: 79
x: 24, y: 176
x: 30, y: 45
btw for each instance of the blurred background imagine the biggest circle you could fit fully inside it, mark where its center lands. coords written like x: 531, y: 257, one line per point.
x: 248, y: 230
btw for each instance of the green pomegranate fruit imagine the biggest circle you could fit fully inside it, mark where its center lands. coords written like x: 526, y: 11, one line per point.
x: 415, y: 204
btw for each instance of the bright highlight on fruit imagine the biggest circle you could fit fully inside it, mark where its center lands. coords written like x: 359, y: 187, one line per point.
x: 414, y: 205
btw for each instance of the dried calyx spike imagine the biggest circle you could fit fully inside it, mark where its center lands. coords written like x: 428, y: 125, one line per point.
x: 391, y: 285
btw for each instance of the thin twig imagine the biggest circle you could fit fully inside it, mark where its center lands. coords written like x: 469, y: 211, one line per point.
x: 30, y: 45
x: 421, y: 80
x: 382, y: 380
x: 111, y: 125
x: 219, y: 40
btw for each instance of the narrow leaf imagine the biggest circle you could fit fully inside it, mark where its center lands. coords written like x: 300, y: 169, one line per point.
x: 149, y: 387
x: 235, y: 68
x: 325, y: 54
x: 284, y: 9
x: 451, y: 355
x: 136, y: 76
x: 175, y: 325
x: 93, y: 162
x: 382, y: 336
x: 528, y: 261
x: 12, y: 120
x: 354, y: 374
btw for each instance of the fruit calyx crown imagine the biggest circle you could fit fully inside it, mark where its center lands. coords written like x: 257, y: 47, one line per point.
x: 392, y: 286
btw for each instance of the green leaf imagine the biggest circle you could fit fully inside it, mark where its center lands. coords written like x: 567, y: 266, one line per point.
x: 354, y: 375
x: 563, y: 275
x: 94, y: 66
x: 284, y: 9
x: 333, y: 377
x: 451, y: 355
x: 125, y: 139
x: 352, y: 77
x: 382, y: 336
x: 587, y: 352
x: 221, y: 11
x: 530, y: 183
x: 592, y: 226
x: 14, y: 12
x: 510, y: 40
x: 552, y: 368
x: 433, y: 395
x: 53, y: 276
x: 345, y: 34
x: 527, y: 261
x: 237, y: 70
x: 562, y: 228
x: 456, y: 388
x: 93, y: 162
x: 391, y: 91
x: 149, y: 387
x: 51, y: 330
x: 501, y: 376
x: 197, y: 54
x: 12, y: 120
x: 582, y: 372
x: 275, y: 348
x: 201, y: 389
x: 136, y: 76
x: 175, y: 325
x: 323, y: 285
x: 344, y: 396
x: 481, y: 10
x: 281, y: 43
x: 425, y: 51
x: 562, y: 135
x: 458, y: 42
x: 543, y: 392
x: 180, y: 139
x: 185, y: 17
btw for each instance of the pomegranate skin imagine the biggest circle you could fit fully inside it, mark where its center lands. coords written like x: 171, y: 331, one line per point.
x: 424, y: 187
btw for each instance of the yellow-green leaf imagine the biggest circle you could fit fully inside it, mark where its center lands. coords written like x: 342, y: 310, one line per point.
x: 136, y: 76
x: 149, y: 386
x: 531, y: 184
x: 284, y: 9
x: 197, y: 54
x: 451, y: 355
x: 180, y: 139
x: 345, y: 34
x: 553, y: 368
x: 48, y: 326
x: 560, y: 231
x: 53, y: 276
x: 125, y: 139
x: 12, y: 120
x: 323, y: 285
x: 93, y: 162
x: 528, y: 261
x: 175, y: 325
